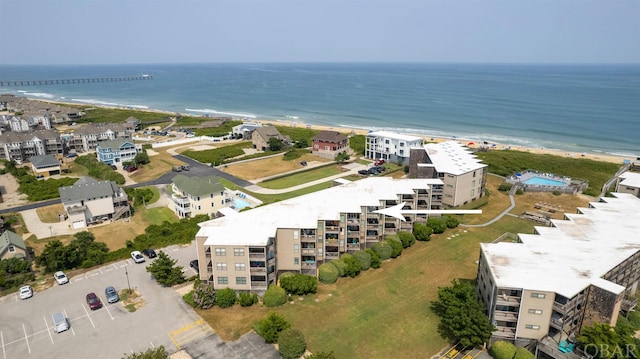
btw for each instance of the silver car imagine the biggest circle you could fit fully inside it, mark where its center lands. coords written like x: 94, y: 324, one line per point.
x: 111, y: 294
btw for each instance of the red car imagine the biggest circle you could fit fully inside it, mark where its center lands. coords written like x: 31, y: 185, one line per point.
x: 93, y: 301
x: 379, y: 162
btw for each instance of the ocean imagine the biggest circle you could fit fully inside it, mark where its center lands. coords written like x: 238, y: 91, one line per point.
x: 577, y: 108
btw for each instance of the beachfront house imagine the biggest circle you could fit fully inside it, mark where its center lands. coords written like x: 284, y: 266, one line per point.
x: 87, y: 137
x: 629, y: 182
x: 12, y: 246
x: 390, y: 146
x: 262, y: 135
x: 191, y: 196
x: 328, y: 144
x: 90, y: 201
x: 244, y: 130
x: 116, y: 151
x: 544, y: 288
x: 463, y: 174
x: 45, y: 166
x: 245, y: 250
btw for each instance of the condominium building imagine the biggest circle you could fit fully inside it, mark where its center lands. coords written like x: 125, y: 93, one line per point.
x: 390, y: 146
x: 463, y: 174
x: 629, y: 182
x: 20, y: 146
x: 87, y: 137
x: 246, y: 250
x: 547, y: 286
x: 191, y: 196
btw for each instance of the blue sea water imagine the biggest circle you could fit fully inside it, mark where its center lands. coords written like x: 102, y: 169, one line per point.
x: 581, y: 108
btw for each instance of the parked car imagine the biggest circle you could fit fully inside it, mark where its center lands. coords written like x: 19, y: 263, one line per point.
x: 194, y: 264
x: 71, y: 155
x: 60, y: 322
x: 93, y: 301
x: 176, y: 168
x: 380, y: 168
x: 150, y: 253
x: 137, y: 257
x: 131, y: 168
x: 111, y: 294
x: 373, y: 171
x: 114, y: 167
x: 60, y: 277
x: 363, y: 172
x: 26, y: 292
x: 186, y: 168
x: 379, y: 162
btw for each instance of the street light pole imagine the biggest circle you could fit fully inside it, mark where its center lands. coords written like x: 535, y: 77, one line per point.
x: 127, y: 274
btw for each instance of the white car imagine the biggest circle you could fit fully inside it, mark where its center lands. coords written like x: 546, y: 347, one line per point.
x: 60, y: 277
x: 26, y: 292
x: 137, y: 257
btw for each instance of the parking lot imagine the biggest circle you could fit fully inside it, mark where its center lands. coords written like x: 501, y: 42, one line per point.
x: 26, y: 326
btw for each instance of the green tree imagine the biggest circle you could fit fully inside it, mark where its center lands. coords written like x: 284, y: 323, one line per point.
x: 275, y: 144
x: 340, y: 266
x: 151, y: 353
x: 396, y: 246
x: 407, y: 239
x: 502, y: 350
x: 363, y: 258
x: 291, y: 343
x: 383, y: 249
x: 342, y: 157
x: 375, y: 258
x: 462, y: 315
x: 142, y: 158
x: 593, y: 338
x: 422, y: 232
x: 204, y: 294
x: 328, y: 273
x: 270, y: 327
x: 165, y: 271
x: 226, y: 298
x: 274, y: 296
x: 437, y: 224
x: 247, y: 299
x: 351, y: 265
x: 299, y: 284
x: 522, y: 353
x: 53, y: 257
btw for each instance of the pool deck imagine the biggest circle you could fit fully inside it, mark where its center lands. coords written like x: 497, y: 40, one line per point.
x: 522, y: 178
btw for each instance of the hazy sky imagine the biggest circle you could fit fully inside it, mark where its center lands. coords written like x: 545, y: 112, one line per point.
x: 163, y: 31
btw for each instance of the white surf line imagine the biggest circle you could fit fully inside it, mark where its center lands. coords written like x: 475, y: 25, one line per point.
x: 4, y: 355
x: 88, y: 316
x: 48, y: 331
x: 66, y: 316
x: 107, y: 308
x: 26, y: 338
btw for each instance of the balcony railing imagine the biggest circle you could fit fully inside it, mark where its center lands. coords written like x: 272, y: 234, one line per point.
x: 561, y: 308
x: 504, y: 332
x: 511, y: 301
x: 311, y: 251
x: 629, y: 304
x: 505, y: 316
x: 332, y: 255
x: 257, y: 269
x: 257, y: 255
x: 556, y: 323
x: 181, y: 200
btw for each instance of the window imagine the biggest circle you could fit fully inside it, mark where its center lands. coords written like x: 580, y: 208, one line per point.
x: 473, y: 192
x: 221, y: 266
x: 473, y: 183
x: 530, y: 326
x: 538, y: 295
x: 11, y: 249
x: 296, y: 260
x: 223, y: 280
x: 535, y: 311
x: 221, y: 252
x: 296, y: 235
x: 474, y: 173
x: 241, y: 280
x: 238, y: 252
x: 240, y: 266
x: 296, y: 248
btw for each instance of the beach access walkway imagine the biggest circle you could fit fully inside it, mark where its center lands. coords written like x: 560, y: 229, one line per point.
x: 499, y: 216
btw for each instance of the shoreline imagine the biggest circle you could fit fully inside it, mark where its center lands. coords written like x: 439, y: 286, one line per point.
x: 618, y: 159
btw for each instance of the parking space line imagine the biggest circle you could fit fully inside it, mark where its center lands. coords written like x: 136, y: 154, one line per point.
x: 153, y: 346
x: 107, y: 308
x: 94, y: 274
x: 48, y: 331
x: 66, y: 316
x: 88, y: 316
x: 4, y: 355
x: 100, y: 269
x: 26, y: 338
x: 115, y: 266
x: 189, y: 332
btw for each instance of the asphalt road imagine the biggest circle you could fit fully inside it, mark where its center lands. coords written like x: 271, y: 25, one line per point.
x: 26, y: 327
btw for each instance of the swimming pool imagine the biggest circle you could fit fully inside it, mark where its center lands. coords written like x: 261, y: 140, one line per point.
x: 542, y: 181
x: 240, y: 204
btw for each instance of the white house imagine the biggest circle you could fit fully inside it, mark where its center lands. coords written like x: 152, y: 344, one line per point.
x: 390, y: 146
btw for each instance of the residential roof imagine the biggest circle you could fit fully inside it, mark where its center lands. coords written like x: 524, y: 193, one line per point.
x: 574, y: 253
x: 267, y: 132
x: 330, y: 136
x: 198, y: 186
x: 116, y: 144
x: 452, y: 157
x: 87, y: 188
x: 8, y: 238
x: 254, y: 227
x: 630, y: 179
x: 395, y: 136
x: 44, y: 161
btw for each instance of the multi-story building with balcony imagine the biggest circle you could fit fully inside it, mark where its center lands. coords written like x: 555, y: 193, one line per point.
x: 191, y: 196
x: 246, y: 250
x: 20, y: 146
x: 86, y: 138
x: 390, y: 146
x: 549, y: 285
x: 629, y: 182
x: 463, y: 174
x: 116, y: 151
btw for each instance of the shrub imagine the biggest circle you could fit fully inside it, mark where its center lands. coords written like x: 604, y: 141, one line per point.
x: 352, y: 266
x: 363, y: 258
x: 340, y: 266
x: 452, y: 222
x: 274, y: 296
x: 204, y: 295
x: 375, y: 258
x: 291, y: 343
x: 299, y: 284
x: 556, y: 193
x: 383, y: 249
x: 270, y: 327
x: 422, y: 232
x: 247, y: 299
x: 505, y: 187
x: 437, y: 224
x: 396, y: 246
x: 407, y: 239
x: 188, y: 298
x: 321, y: 355
x: 522, y: 353
x: 328, y: 273
x: 519, y: 191
x: 502, y: 350
x: 226, y: 298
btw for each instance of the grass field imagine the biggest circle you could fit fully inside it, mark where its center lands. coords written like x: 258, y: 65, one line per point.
x: 303, y: 177
x: 50, y: 214
x: 158, y: 165
x: 267, y: 167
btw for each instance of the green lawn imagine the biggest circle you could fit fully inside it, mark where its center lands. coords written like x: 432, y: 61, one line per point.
x: 301, y: 177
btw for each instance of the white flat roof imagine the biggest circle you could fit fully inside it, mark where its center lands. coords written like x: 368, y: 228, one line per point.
x: 452, y: 157
x: 255, y: 226
x: 397, y: 136
x: 631, y: 179
x: 574, y: 254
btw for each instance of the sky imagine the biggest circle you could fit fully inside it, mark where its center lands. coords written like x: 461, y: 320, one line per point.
x: 210, y: 31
